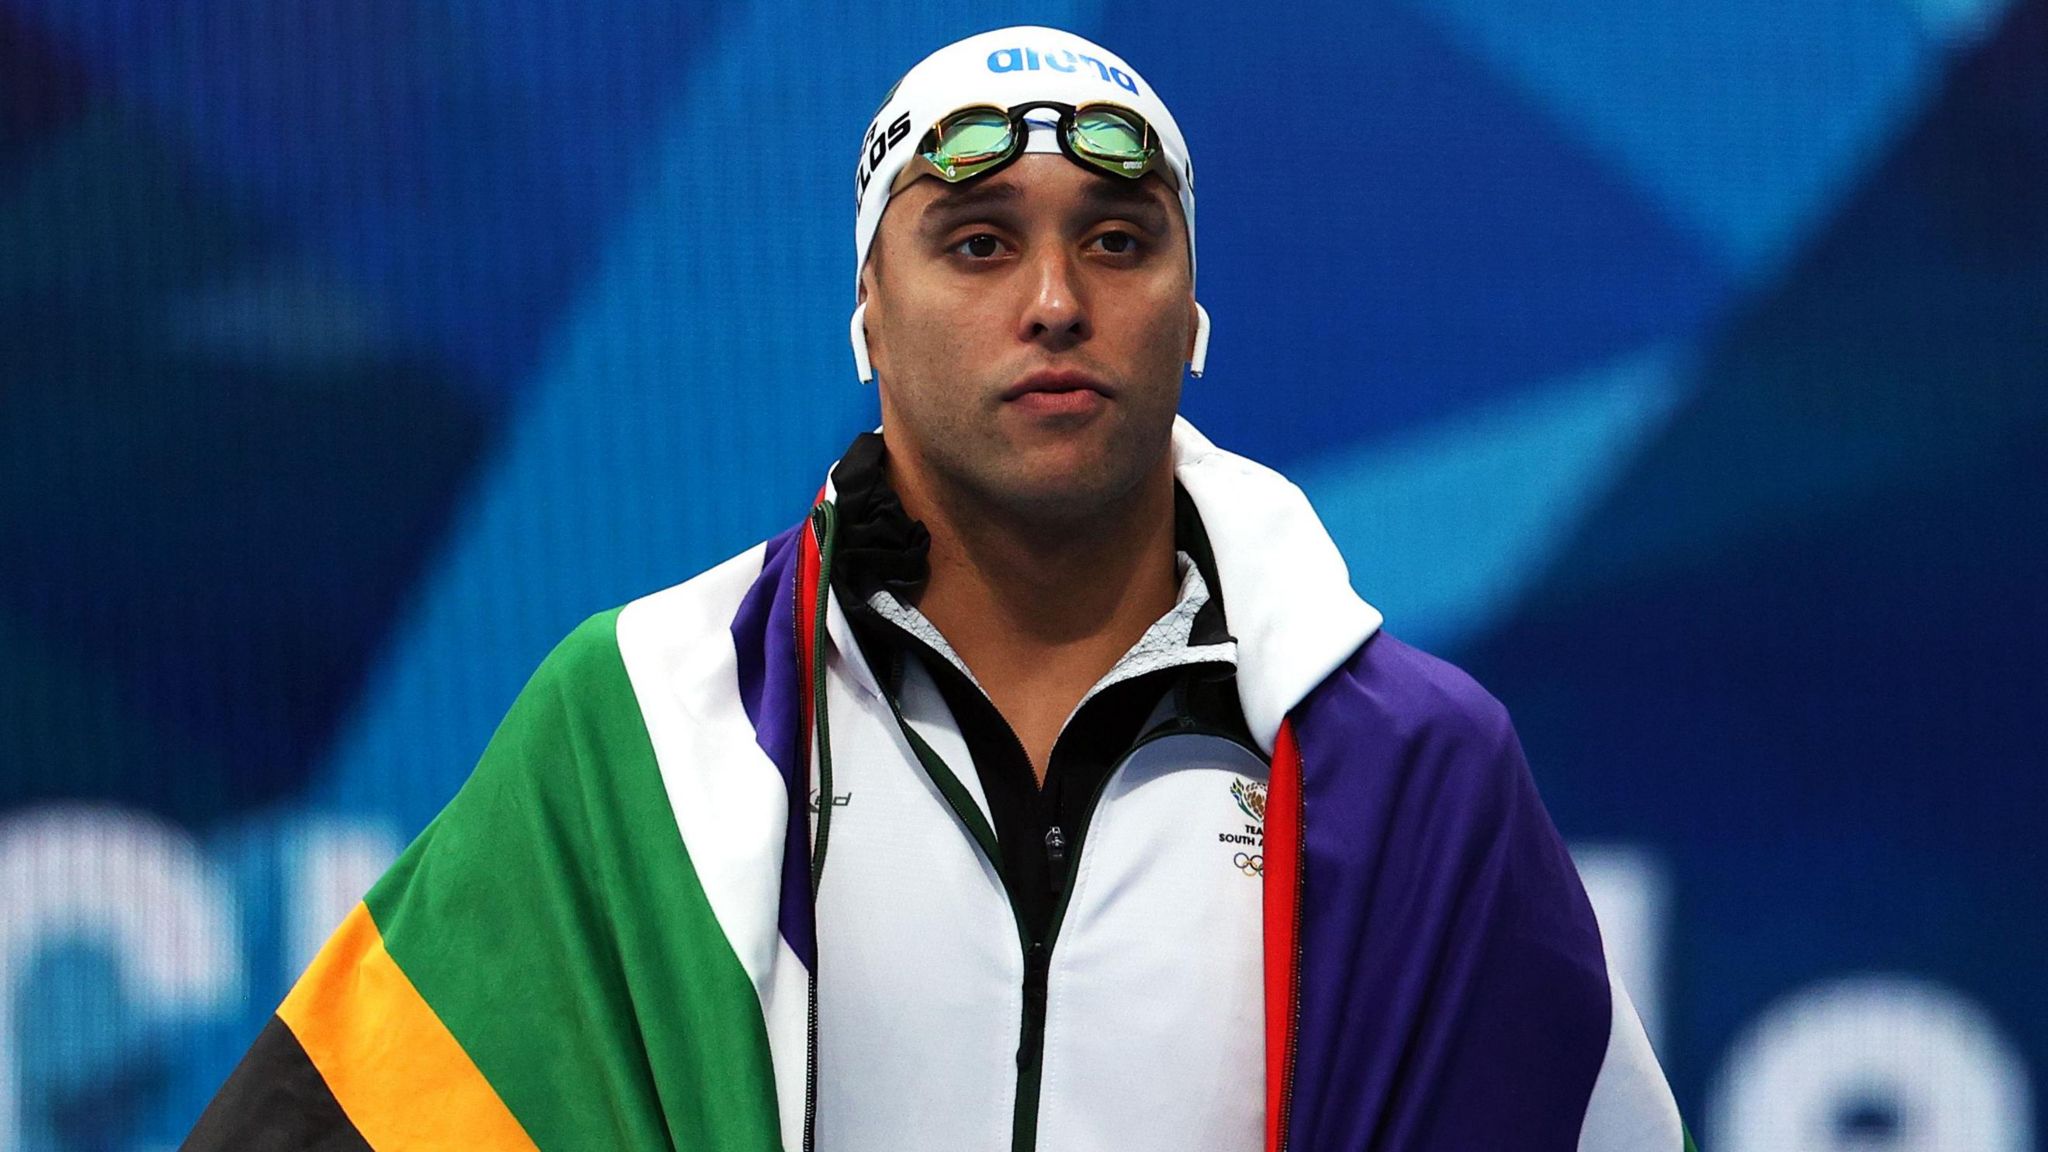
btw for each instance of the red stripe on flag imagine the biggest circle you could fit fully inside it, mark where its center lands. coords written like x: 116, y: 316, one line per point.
x: 1283, y: 927
x: 808, y: 563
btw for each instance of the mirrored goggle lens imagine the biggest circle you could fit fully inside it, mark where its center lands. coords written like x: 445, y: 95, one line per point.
x: 971, y: 141
x: 1112, y: 140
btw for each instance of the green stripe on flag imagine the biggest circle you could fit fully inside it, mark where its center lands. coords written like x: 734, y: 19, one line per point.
x: 552, y: 919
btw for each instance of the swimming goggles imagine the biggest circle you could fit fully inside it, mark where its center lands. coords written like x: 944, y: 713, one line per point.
x: 983, y: 138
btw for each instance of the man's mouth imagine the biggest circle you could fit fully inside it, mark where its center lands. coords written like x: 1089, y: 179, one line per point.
x: 1056, y: 382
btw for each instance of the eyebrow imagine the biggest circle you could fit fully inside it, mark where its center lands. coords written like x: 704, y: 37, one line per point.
x: 958, y: 200
x: 1119, y: 192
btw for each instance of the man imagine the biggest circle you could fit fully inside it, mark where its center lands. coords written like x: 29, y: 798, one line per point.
x: 1128, y: 829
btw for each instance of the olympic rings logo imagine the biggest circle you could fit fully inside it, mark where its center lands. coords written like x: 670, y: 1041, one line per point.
x: 1249, y: 865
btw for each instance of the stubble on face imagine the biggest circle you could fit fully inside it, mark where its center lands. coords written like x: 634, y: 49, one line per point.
x: 978, y: 290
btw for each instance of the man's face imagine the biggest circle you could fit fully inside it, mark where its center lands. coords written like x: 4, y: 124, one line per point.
x: 1028, y: 330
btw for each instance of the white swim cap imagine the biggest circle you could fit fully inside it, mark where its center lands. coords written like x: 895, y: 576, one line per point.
x: 1005, y: 68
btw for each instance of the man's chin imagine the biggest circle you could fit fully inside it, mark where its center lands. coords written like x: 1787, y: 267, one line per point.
x: 1064, y: 489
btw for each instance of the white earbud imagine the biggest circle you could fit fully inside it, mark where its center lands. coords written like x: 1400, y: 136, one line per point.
x: 1201, y: 356
x: 859, y: 333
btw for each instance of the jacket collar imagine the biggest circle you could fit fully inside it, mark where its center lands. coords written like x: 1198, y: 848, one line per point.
x: 1288, y: 592
x: 1292, y: 608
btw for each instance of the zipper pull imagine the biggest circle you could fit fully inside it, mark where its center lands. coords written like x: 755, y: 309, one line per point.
x: 1056, y: 850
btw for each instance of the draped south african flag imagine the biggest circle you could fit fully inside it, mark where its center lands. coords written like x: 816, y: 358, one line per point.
x: 479, y: 995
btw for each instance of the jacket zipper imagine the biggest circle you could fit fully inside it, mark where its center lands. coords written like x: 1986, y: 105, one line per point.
x: 1064, y: 855
x: 1038, y: 956
x: 1066, y: 859
x: 1037, y: 974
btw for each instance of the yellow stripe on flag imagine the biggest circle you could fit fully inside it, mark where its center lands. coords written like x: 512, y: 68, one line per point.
x: 391, y: 1064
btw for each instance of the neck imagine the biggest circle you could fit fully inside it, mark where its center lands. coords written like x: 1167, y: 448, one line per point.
x: 1038, y: 611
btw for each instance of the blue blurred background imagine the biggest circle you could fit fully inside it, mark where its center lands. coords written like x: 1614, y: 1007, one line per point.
x: 1677, y: 368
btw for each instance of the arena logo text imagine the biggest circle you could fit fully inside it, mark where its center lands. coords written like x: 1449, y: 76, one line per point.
x: 1029, y: 60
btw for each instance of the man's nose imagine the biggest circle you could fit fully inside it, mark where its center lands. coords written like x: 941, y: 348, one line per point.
x: 1056, y: 310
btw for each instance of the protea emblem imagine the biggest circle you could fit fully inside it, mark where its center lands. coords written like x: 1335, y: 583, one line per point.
x: 1251, y: 796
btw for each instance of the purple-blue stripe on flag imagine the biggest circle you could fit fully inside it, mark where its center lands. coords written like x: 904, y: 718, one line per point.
x: 764, y: 635
x: 1453, y: 988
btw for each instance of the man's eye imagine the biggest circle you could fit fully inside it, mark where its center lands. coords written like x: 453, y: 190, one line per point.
x: 1118, y: 243
x: 981, y: 246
